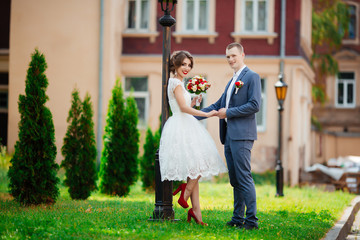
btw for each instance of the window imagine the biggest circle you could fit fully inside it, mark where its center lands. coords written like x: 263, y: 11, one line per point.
x: 195, y: 19
x: 255, y: 15
x: 352, y: 23
x: 351, y: 36
x: 196, y: 15
x: 345, y: 90
x: 3, y: 99
x: 140, y: 19
x: 260, y: 116
x: 139, y: 86
x: 254, y: 19
x: 138, y: 14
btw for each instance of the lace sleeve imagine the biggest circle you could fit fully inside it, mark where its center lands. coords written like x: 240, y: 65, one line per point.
x: 173, y: 83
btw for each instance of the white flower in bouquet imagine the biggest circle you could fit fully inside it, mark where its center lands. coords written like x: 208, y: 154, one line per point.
x: 194, y: 88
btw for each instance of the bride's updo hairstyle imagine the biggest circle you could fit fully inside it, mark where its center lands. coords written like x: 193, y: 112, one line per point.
x: 177, y: 59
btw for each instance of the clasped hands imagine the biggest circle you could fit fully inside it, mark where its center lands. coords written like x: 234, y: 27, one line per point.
x: 221, y: 113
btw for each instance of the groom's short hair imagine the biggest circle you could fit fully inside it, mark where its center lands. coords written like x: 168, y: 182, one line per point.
x: 235, y: 44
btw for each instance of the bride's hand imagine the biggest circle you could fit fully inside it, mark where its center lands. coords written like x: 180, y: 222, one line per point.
x: 193, y: 101
x: 212, y: 113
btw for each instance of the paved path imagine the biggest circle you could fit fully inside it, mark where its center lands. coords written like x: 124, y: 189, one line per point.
x: 354, y: 233
x: 343, y: 227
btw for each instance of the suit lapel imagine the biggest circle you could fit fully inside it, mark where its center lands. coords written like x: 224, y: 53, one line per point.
x: 241, y: 76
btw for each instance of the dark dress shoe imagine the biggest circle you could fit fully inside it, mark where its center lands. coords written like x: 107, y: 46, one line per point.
x: 248, y: 227
x: 234, y: 224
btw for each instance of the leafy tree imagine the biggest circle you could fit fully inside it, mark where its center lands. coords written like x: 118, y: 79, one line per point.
x: 120, y: 151
x: 330, y: 21
x: 79, y: 149
x: 33, y: 169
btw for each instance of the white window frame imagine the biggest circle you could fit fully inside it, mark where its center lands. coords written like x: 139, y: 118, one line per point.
x: 240, y: 32
x: 346, y: 83
x: 196, y: 19
x: 357, y: 13
x: 140, y: 94
x: 180, y: 27
x: 262, y: 128
x: 255, y: 14
x: 149, y: 32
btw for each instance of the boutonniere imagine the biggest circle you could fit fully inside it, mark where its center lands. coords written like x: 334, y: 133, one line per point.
x: 238, y: 85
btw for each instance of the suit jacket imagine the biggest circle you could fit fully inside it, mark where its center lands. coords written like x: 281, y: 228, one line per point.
x: 240, y: 114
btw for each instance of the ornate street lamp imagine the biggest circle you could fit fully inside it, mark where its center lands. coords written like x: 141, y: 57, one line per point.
x: 280, y: 88
x: 163, y: 190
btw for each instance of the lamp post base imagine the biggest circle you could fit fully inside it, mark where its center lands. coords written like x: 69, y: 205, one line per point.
x: 279, y: 180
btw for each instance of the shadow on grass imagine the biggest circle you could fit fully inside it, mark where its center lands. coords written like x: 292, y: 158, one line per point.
x: 127, y: 219
x: 265, y: 178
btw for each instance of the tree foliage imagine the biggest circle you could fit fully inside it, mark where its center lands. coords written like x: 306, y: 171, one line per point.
x: 330, y: 21
x: 33, y: 169
x: 147, y: 162
x: 79, y: 149
x: 118, y: 169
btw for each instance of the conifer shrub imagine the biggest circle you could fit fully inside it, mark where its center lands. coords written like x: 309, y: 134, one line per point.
x: 118, y: 168
x: 32, y: 174
x: 131, y: 147
x: 79, y: 149
x: 147, y: 162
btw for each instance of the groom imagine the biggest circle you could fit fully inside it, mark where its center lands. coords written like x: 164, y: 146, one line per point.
x: 237, y: 107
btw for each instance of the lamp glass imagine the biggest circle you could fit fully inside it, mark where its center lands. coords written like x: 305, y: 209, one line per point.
x: 280, y: 88
x: 281, y: 92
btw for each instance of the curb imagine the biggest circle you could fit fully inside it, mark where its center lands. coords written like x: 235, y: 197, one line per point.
x: 343, y: 226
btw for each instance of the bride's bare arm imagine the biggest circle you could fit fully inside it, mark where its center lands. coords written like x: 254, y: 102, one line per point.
x: 179, y: 95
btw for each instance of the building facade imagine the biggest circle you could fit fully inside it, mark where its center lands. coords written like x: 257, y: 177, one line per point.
x: 90, y: 44
x: 340, y: 115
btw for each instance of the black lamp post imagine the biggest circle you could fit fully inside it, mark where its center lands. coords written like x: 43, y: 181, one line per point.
x: 280, y: 88
x: 163, y: 190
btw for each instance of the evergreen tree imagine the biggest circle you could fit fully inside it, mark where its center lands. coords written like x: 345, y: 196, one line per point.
x: 88, y: 153
x: 33, y: 169
x: 131, y: 147
x: 79, y: 149
x: 118, y: 159
x: 147, y: 164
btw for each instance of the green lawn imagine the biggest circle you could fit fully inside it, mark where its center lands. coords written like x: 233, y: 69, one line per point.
x: 305, y: 213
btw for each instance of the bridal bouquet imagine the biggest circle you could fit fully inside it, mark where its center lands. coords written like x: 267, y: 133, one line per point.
x: 198, y: 85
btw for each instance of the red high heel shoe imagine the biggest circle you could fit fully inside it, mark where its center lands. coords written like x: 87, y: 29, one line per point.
x: 192, y: 215
x: 181, y: 200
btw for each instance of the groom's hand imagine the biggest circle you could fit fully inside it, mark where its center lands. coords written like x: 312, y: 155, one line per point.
x: 222, y: 113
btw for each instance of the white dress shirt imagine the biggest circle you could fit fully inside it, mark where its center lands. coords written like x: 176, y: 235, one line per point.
x: 229, y: 91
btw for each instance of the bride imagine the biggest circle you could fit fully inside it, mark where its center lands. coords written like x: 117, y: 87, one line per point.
x: 187, y: 151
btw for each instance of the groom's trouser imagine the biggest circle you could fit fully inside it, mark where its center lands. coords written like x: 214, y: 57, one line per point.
x: 238, y: 156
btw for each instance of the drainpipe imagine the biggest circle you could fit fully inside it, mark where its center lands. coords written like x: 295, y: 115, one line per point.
x: 282, y: 35
x: 279, y: 168
x: 100, y: 87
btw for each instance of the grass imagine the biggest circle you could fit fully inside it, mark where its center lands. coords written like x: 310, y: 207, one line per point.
x: 305, y: 213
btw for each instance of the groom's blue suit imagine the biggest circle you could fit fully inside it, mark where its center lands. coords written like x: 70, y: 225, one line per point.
x: 238, y: 135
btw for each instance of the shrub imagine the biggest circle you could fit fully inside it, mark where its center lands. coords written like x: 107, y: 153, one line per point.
x: 79, y: 149
x: 147, y: 163
x: 33, y: 169
x: 118, y: 159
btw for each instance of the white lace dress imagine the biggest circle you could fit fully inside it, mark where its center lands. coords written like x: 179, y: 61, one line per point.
x: 186, y: 147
